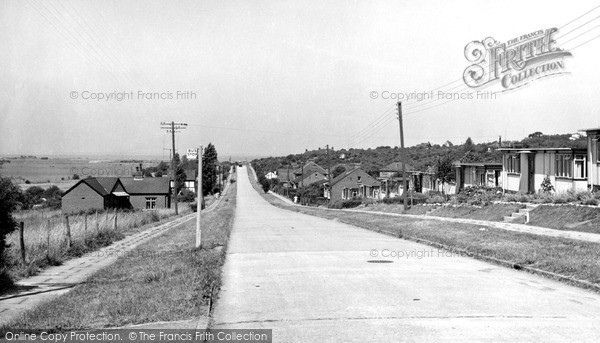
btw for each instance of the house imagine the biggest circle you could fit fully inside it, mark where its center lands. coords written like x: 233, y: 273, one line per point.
x: 94, y: 193
x: 391, y: 179
x: 524, y: 170
x: 148, y: 193
x: 189, y: 183
x: 271, y: 175
x: 103, y: 193
x: 309, y: 167
x: 477, y: 174
x: 309, y: 178
x: 593, y: 158
x: 355, y: 183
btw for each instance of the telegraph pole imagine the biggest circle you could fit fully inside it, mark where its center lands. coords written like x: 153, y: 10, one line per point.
x: 199, y: 198
x: 329, y: 171
x: 402, y: 156
x: 171, y: 127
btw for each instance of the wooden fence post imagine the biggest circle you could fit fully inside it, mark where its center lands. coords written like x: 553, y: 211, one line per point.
x: 84, y: 225
x: 68, y: 231
x: 48, y: 239
x: 22, y: 229
x: 97, y: 223
x: 115, y: 227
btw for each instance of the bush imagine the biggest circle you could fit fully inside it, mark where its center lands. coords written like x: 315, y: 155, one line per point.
x: 478, y: 195
x: 10, y: 196
x: 187, y: 196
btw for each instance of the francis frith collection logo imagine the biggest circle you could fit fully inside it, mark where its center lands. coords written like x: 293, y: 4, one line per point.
x: 516, y: 62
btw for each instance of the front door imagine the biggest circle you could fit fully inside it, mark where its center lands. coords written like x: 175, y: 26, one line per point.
x: 531, y: 173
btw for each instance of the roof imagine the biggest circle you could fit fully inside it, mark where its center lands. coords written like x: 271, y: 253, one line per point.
x: 282, y: 174
x: 148, y: 185
x: 306, y: 174
x: 538, y: 149
x: 342, y: 176
x: 101, y: 185
x: 311, y: 166
x: 396, y: 166
x: 593, y: 129
x: 478, y: 164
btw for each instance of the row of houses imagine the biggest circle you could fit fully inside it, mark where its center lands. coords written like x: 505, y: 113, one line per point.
x: 521, y: 170
x: 524, y: 169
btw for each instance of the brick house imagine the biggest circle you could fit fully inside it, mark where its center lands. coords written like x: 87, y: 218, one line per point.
x: 355, y: 183
x: 102, y: 193
x: 94, y: 194
x: 148, y: 193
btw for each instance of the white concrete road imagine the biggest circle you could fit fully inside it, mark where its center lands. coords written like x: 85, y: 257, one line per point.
x: 309, y: 280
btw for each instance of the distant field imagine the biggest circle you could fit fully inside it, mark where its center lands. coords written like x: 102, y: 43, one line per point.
x: 59, y: 171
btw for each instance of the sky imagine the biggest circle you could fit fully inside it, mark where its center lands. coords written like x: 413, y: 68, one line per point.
x: 271, y: 78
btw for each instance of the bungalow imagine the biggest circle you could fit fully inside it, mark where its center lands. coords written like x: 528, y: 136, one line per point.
x: 391, y: 179
x: 95, y: 193
x: 309, y: 178
x: 102, y: 193
x: 524, y: 169
x: 271, y: 175
x: 148, y: 193
x: 355, y: 183
x: 593, y: 158
x: 477, y: 174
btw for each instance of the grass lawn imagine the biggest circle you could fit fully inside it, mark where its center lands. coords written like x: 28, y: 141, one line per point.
x: 572, y: 258
x: 165, y: 279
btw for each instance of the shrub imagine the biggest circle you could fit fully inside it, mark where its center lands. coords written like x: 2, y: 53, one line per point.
x: 478, y: 195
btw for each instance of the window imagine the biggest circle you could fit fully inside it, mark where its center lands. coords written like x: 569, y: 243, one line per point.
x: 563, y: 166
x: 598, y: 151
x: 150, y: 203
x: 579, y: 167
x: 513, y: 163
x: 358, y: 179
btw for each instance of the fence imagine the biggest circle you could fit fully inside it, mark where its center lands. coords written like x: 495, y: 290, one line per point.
x: 48, y: 238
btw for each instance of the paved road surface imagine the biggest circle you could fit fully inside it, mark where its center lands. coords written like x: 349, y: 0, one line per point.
x: 308, y: 279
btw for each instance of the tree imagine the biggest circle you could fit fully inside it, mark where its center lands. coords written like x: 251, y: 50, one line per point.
x: 32, y: 196
x: 75, y: 177
x: 536, y: 134
x: 209, y: 172
x: 444, y: 170
x: 470, y: 157
x: 53, y: 197
x: 10, y: 196
x: 337, y: 171
x: 468, y: 144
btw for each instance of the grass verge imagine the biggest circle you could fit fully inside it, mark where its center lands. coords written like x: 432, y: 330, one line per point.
x: 164, y: 279
x: 46, y: 240
x: 565, y: 217
x: 567, y: 260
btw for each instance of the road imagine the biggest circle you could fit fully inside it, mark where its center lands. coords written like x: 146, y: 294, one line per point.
x: 310, y: 280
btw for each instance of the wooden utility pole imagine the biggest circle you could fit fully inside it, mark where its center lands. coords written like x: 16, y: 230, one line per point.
x: 199, y: 198
x: 329, y: 171
x: 172, y: 127
x: 402, y: 156
x: 302, y: 183
x: 174, y: 167
x: 22, y: 241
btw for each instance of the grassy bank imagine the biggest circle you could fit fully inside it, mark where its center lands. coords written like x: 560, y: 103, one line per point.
x: 566, y: 217
x: 570, y: 258
x: 165, y: 279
